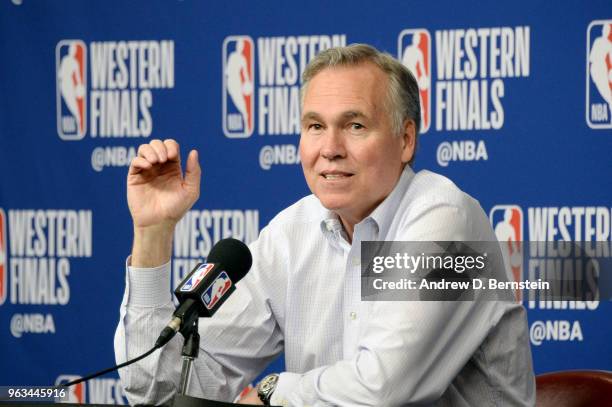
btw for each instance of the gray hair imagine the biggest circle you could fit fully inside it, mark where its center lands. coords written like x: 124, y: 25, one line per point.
x: 402, y: 101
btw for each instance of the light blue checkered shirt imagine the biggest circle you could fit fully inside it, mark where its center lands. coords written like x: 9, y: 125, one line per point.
x: 302, y: 296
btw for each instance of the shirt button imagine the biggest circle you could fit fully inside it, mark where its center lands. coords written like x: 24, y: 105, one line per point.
x: 353, y: 315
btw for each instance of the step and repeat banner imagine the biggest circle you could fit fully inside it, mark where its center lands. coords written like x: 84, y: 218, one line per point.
x: 517, y: 111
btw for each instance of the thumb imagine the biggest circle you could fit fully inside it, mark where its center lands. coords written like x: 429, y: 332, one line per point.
x: 193, y: 172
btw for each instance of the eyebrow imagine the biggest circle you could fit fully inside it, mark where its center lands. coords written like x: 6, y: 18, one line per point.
x: 350, y: 114
x: 310, y: 116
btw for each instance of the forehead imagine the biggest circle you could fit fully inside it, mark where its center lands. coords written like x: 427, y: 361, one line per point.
x: 361, y: 86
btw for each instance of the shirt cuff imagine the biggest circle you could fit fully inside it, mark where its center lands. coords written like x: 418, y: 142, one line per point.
x: 148, y: 287
x: 287, y: 384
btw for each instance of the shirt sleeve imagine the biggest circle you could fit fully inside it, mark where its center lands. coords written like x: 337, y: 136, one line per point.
x: 410, y: 351
x: 145, y: 309
x: 235, y: 345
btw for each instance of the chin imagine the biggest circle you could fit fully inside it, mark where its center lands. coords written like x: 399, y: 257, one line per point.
x: 333, y: 204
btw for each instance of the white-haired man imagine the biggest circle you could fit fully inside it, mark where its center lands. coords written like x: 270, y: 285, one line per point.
x: 360, y: 120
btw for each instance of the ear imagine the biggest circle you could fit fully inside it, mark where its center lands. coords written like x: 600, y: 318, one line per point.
x: 408, y: 140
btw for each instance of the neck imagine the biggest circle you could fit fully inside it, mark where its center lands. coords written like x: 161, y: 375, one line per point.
x: 349, y: 226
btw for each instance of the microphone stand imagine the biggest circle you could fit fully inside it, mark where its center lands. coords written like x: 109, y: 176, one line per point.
x: 189, y: 353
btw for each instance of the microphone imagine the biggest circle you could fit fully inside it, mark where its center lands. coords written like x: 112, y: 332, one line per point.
x: 208, y: 286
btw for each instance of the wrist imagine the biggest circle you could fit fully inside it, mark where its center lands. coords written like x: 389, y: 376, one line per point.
x: 152, y: 245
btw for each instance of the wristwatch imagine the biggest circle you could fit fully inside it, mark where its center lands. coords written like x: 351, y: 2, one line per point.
x: 266, y: 387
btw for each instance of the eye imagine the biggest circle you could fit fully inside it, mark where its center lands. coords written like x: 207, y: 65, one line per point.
x: 314, y: 128
x: 355, y: 128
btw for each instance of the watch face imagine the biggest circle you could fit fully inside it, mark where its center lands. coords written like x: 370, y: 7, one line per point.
x: 266, y: 387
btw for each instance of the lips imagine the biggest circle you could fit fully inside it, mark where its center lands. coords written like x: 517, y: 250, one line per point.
x: 335, y: 175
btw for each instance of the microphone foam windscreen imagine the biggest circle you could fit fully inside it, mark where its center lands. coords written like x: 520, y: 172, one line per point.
x: 234, y: 255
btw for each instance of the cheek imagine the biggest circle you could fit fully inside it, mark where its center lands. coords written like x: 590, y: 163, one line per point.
x: 308, y: 154
x: 308, y: 162
x: 303, y: 149
x: 382, y: 168
x: 379, y: 159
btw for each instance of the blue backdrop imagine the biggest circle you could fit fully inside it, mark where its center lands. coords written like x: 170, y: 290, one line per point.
x: 517, y: 97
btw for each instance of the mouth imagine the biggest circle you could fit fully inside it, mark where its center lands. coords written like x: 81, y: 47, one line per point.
x: 335, y: 175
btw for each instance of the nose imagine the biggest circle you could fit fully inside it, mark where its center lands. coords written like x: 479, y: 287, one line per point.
x: 333, y: 145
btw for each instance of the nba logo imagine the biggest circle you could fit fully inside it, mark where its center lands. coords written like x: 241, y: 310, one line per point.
x: 216, y: 290
x: 238, y: 81
x: 3, y: 258
x: 197, y: 276
x: 74, y: 394
x: 71, y: 78
x: 599, y: 75
x: 507, y: 221
x: 414, y: 50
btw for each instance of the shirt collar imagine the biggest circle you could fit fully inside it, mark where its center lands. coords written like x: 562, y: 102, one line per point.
x: 385, y: 212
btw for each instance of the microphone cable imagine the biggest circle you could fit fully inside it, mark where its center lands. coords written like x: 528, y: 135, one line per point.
x: 110, y: 369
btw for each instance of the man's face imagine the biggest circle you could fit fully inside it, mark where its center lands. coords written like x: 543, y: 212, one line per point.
x: 350, y: 156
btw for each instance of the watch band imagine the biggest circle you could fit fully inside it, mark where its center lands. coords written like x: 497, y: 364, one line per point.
x: 266, y: 387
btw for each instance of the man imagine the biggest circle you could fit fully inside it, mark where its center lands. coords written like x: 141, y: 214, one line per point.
x: 360, y: 119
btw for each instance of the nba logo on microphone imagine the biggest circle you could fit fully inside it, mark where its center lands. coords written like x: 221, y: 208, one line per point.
x: 3, y: 258
x: 414, y: 50
x: 71, y: 89
x: 197, y: 276
x: 216, y: 290
x: 507, y: 221
x: 599, y: 75
x: 74, y: 394
x: 238, y: 86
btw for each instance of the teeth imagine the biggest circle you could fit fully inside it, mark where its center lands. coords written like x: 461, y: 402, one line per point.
x: 334, y: 176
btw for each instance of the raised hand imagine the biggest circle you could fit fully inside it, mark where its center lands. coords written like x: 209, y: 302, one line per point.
x: 158, y: 196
